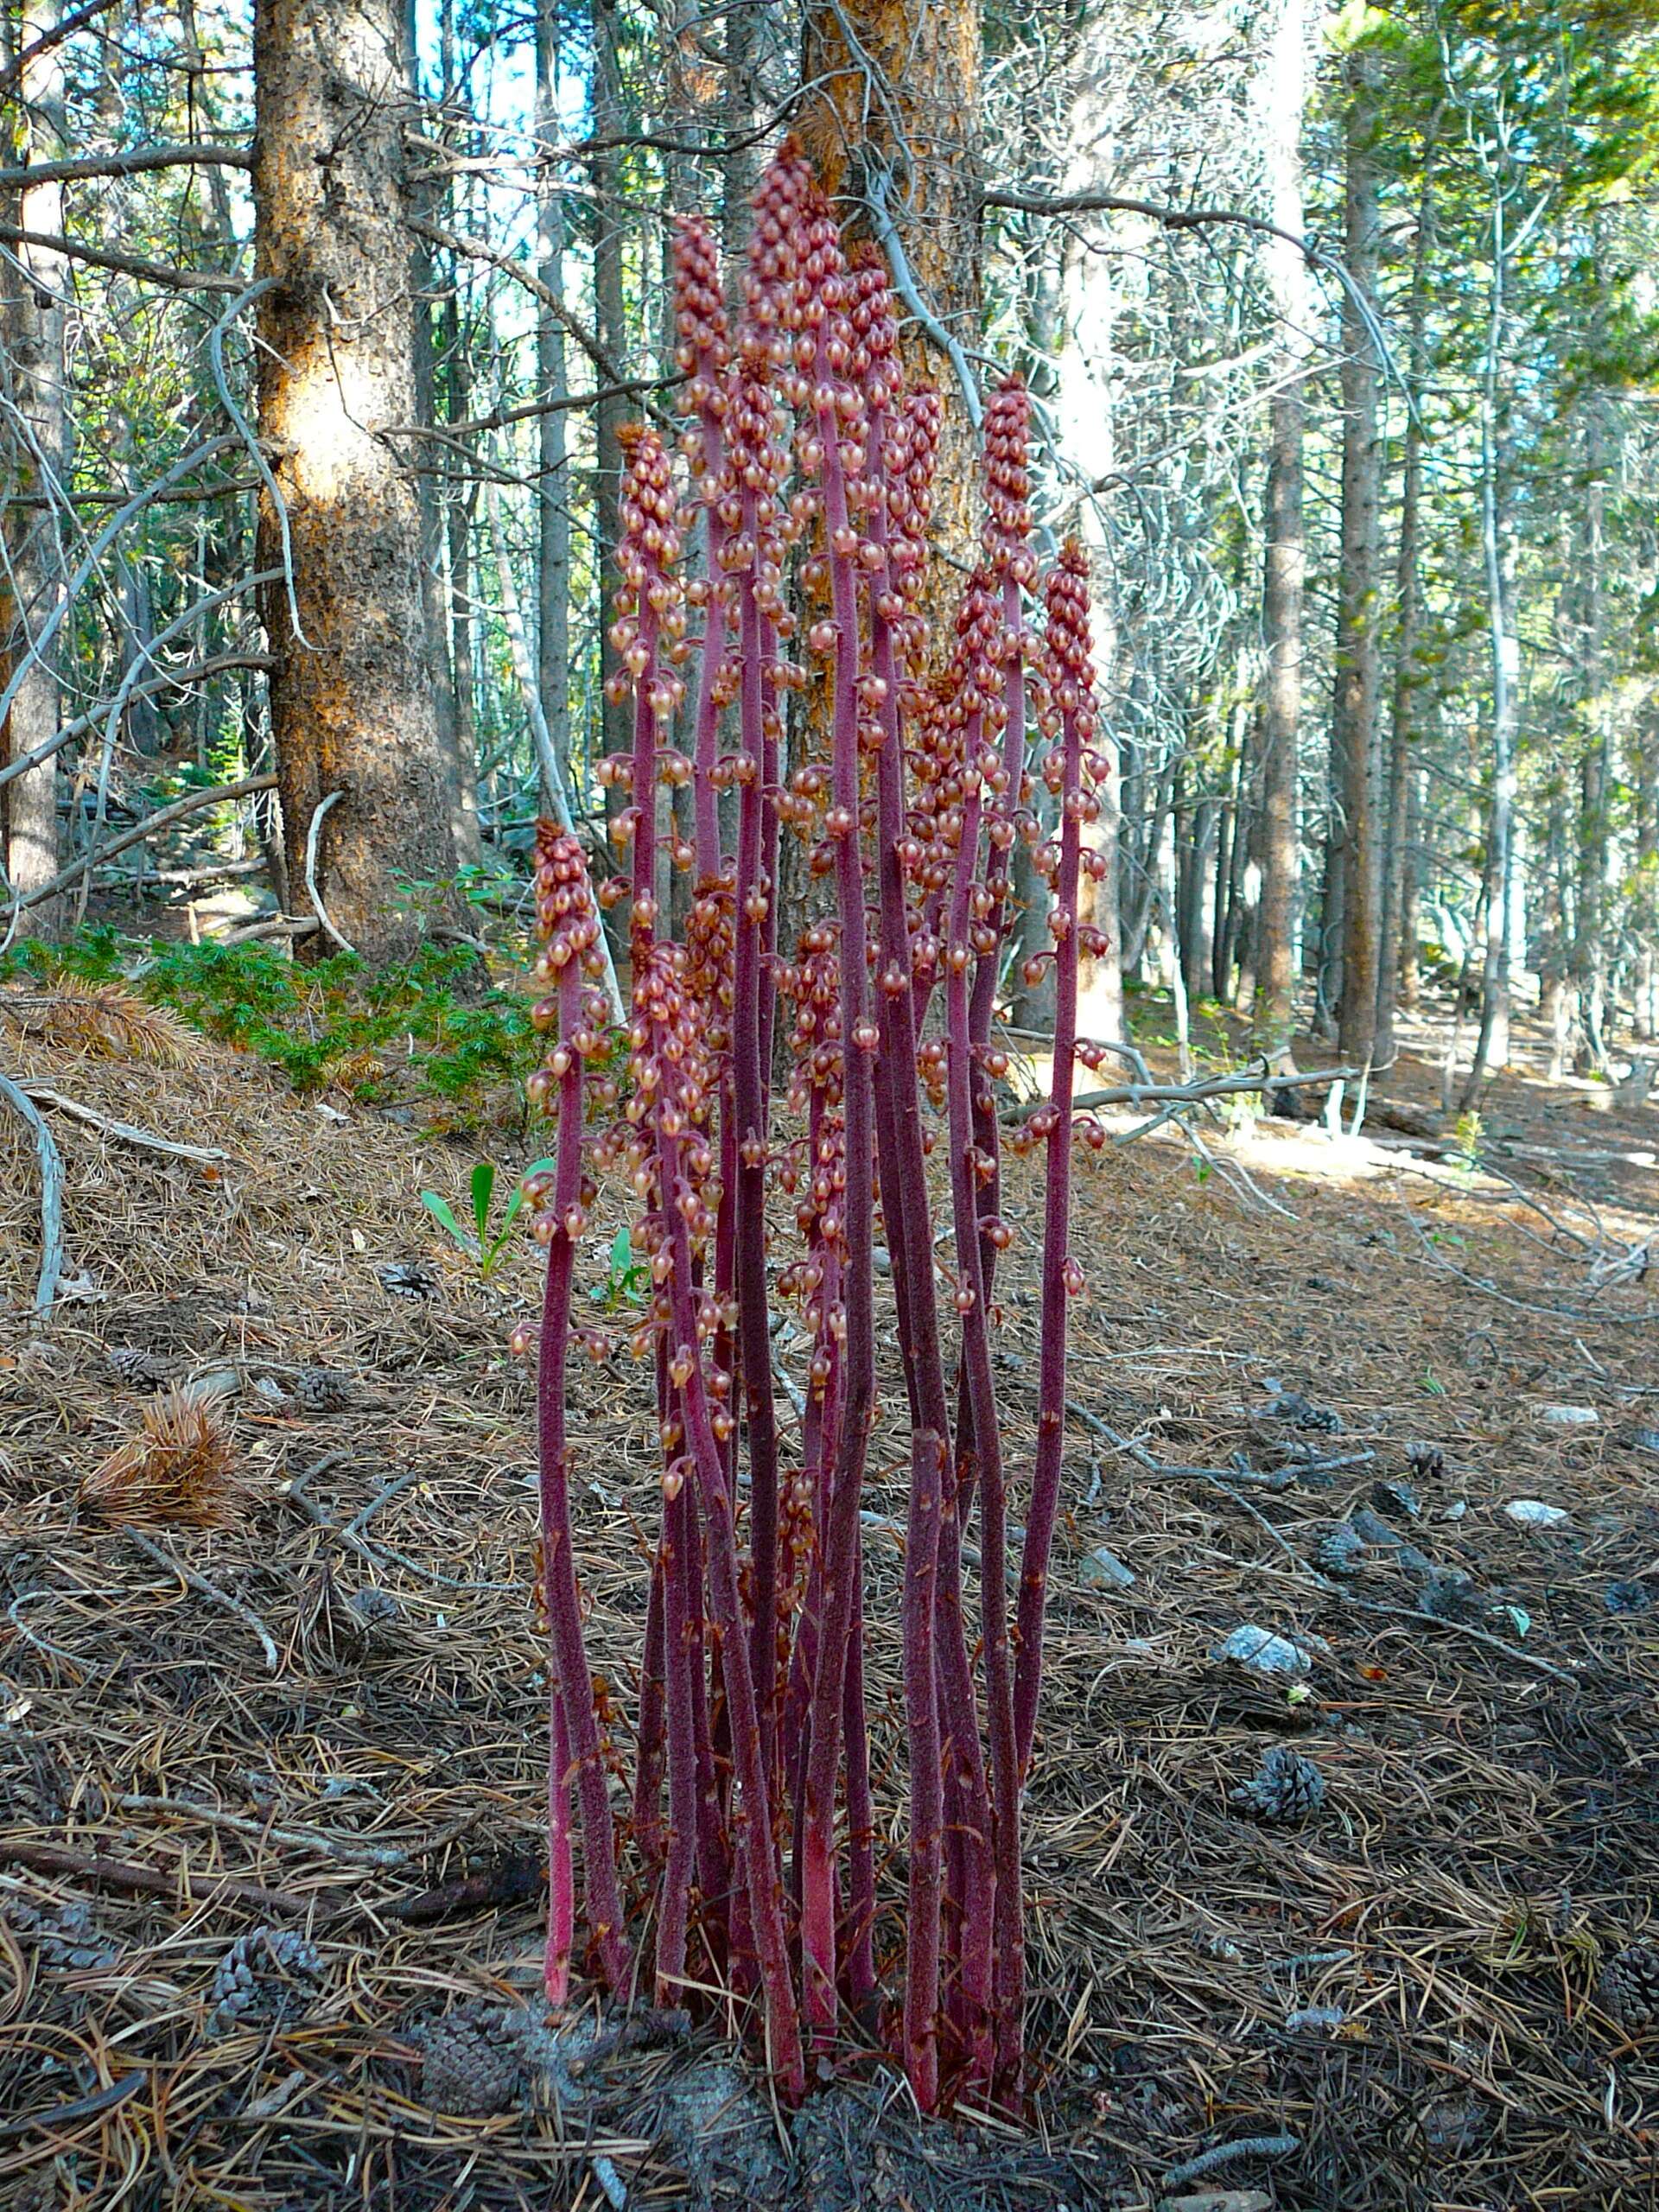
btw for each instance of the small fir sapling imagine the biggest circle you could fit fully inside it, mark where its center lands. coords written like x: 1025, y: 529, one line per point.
x: 751, y: 1719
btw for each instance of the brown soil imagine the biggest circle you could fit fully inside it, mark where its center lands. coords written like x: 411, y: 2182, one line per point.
x: 1440, y: 1924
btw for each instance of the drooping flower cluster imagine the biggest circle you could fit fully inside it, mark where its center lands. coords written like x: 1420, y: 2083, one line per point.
x: 807, y: 455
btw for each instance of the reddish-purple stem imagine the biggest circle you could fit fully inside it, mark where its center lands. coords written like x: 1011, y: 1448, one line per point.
x: 1071, y: 686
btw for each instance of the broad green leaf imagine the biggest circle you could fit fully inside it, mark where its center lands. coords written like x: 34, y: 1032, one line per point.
x: 483, y: 1187
x: 440, y: 1209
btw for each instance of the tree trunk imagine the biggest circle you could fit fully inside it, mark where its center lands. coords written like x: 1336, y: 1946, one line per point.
x: 1282, y: 93
x: 354, y: 696
x: 553, y: 483
x: 917, y: 144
x: 610, y: 323
x: 1492, y: 1047
x: 1408, y: 670
x: 32, y: 379
x: 1354, y: 721
x: 1596, y: 778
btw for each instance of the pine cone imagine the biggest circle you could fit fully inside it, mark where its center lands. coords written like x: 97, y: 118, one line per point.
x: 271, y: 1974
x: 1339, y: 1550
x: 1628, y: 1985
x: 1450, y: 1595
x: 409, y: 1278
x: 1427, y: 1461
x: 333, y: 1634
x: 137, y: 1366
x: 1288, y: 1787
x: 1292, y: 1406
x: 1397, y: 1499
x: 321, y: 1390
x: 471, y: 2061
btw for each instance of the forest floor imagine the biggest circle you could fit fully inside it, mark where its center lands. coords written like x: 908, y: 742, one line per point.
x: 202, y: 1736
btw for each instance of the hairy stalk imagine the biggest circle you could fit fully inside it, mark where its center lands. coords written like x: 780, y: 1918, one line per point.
x: 569, y: 924
x: 1072, y: 692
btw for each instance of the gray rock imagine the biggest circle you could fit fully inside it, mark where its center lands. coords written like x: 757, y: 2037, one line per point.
x: 1261, y: 1649
x: 1102, y: 1570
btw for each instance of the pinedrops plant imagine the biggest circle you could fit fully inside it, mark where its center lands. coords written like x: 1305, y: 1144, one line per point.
x: 752, y: 1826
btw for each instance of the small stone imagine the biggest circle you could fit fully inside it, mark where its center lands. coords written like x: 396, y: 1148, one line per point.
x: 1103, y: 1570
x: 1531, y: 1513
x: 1261, y: 1649
x: 1288, y: 1787
x: 1314, y: 2016
x: 1569, y: 1416
x: 1644, y: 1439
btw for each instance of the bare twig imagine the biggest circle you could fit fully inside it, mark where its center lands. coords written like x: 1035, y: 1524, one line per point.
x: 324, y: 918
x: 127, y: 164
x: 51, y: 1193
x: 148, y: 1881
x: 1224, y: 2154
x: 124, y: 1132
x: 124, y: 264
x: 192, y: 802
x: 164, y: 1558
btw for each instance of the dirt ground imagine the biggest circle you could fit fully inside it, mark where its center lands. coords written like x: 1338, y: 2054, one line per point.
x: 241, y: 1800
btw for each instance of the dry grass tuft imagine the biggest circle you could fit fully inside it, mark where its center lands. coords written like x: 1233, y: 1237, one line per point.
x: 177, y: 1470
x: 107, y: 1020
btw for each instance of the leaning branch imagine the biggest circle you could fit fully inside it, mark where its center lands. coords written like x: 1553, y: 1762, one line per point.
x: 169, y: 679
x: 124, y: 264
x: 476, y: 250
x: 127, y: 165
x: 51, y: 1193
x: 65, y: 27
x: 192, y: 802
x: 1186, y: 1094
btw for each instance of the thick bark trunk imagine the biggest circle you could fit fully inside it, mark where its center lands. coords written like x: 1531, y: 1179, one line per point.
x: 1285, y: 556
x: 32, y: 374
x: 1590, y: 959
x: 354, y: 698
x: 918, y: 145
x: 1492, y: 1046
x: 553, y: 485
x: 1408, y: 671
x: 610, y: 323
x: 1353, y: 730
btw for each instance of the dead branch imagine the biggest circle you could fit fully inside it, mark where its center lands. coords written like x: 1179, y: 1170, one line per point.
x: 192, y: 802
x: 51, y: 1193
x: 124, y: 264
x: 124, y: 1132
x: 1185, y: 1094
x: 127, y: 164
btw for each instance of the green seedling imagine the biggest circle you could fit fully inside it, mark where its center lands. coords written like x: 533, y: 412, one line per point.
x: 486, y: 1248
x: 628, y: 1280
